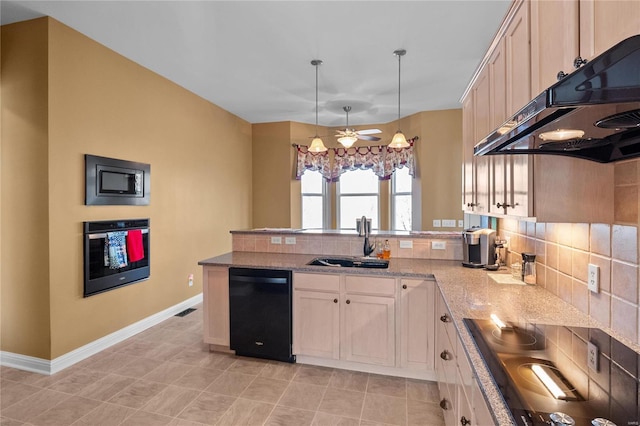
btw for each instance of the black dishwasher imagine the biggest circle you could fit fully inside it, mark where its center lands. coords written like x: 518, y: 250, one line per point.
x: 260, y: 313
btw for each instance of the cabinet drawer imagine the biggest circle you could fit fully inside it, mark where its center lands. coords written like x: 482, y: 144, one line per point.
x: 317, y: 282
x: 370, y: 285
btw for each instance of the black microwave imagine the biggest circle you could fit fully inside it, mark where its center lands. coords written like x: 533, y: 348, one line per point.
x: 110, y: 181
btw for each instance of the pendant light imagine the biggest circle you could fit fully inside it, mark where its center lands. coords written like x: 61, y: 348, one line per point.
x: 399, y: 141
x: 316, y: 144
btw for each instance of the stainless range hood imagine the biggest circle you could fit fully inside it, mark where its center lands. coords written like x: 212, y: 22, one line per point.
x: 599, y: 102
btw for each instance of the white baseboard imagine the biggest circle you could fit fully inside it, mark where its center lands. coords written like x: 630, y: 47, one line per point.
x: 367, y: 368
x: 43, y: 366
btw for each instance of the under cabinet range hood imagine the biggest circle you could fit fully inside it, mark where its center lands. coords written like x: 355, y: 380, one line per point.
x: 592, y: 113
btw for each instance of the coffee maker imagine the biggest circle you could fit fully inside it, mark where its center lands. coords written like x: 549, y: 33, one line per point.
x: 478, y: 247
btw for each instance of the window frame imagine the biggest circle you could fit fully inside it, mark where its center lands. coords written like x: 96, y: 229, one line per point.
x: 339, y: 196
x: 323, y: 195
x: 392, y: 199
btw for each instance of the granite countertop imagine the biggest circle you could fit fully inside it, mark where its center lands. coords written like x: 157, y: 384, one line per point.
x: 469, y: 293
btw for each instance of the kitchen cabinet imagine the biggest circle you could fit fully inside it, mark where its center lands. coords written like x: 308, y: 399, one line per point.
x: 542, y: 187
x: 359, y: 310
x: 316, y: 315
x: 563, y: 31
x: 462, y: 401
x: 417, y: 330
x: 468, y: 159
x: 216, y: 306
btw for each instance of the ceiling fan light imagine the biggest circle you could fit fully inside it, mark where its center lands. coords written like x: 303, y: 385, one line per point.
x: 347, y: 141
x: 399, y: 141
x: 317, y: 145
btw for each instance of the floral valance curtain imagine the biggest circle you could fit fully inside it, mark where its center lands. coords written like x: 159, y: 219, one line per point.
x: 382, y: 160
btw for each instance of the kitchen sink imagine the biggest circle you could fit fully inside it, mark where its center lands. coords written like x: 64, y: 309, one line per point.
x: 350, y: 262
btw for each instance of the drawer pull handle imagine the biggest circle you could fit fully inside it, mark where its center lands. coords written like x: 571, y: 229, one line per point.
x: 445, y: 318
x: 335, y: 300
x: 464, y: 421
x: 446, y: 355
x: 444, y: 404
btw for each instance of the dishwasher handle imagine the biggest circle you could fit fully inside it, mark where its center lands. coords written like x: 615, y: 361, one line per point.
x: 258, y: 280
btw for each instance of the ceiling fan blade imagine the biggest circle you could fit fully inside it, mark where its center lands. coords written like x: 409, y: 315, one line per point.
x: 368, y: 138
x: 368, y: 131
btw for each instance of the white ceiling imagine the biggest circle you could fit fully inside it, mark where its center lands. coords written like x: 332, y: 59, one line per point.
x: 252, y: 58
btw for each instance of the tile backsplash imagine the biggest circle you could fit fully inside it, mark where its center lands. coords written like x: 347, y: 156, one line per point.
x: 563, y: 253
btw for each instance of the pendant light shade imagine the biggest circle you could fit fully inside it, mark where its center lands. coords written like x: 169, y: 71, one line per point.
x: 316, y: 144
x: 399, y: 140
x: 347, y: 141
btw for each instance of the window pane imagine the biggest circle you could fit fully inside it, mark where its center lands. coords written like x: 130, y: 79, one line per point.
x: 311, y: 182
x: 353, y: 207
x: 312, y: 212
x: 402, y: 210
x: 402, y: 180
x: 358, y: 182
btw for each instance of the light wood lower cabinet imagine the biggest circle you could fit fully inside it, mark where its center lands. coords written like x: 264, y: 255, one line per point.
x: 345, y: 317
x: 216, y: 305
x: 417, y: 333
x: 462, y: 401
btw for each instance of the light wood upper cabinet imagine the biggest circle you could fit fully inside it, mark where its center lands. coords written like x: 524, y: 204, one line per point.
x: 468, y: 169
x: 604, y: 23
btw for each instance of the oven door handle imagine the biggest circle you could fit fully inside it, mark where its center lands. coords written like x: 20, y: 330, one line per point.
x: 104, y: 234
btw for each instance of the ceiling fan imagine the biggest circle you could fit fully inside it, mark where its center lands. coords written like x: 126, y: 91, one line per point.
x: 347, y: 136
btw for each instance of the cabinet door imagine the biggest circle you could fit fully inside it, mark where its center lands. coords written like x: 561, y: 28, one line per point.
x: 497, y: 68
x: 417, y: 305
x: 605, y: 23
x: 316, y: 324
x: 216, y: 306
x: 368, y: 329
x: 468, y: 137
x: 481, y: 413
x: 554, y: 41
x: 482, y: 127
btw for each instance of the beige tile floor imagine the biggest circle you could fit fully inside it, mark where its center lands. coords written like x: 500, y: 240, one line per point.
x: 166, y: 376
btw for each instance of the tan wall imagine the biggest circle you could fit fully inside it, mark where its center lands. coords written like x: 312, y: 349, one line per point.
x: 25, y: 227
x: 438, y: 159
x: 103, y: 104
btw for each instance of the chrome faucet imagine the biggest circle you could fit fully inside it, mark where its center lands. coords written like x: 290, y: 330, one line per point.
x: 364, y: 229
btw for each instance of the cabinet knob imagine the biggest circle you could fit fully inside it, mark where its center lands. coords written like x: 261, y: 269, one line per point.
x: 561, y: 75
x: 578, y: 62
x: 404, y: 286
x: 335, y: 300
x: 445, y: 318
x: 464, y: 421
x: 348, y: 301
x: 445, y: 404
x: 446, y: 355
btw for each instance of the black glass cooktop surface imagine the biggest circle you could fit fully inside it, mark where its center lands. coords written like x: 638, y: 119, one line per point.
x: 547, y: 370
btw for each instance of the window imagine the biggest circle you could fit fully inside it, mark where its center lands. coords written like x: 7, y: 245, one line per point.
x: 313, y: 188
x: 358, y: 195
x: 401, y: 211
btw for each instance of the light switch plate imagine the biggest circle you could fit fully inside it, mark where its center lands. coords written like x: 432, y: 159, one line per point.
x: 438, y: 245
x: 276, y: 240
x: 593, y: 354
x: 406, y: 244
x: 436, y: 223
x: 460, y: 223
x: 593, y: 278
x: 290, y: 240
x: 449, y: 223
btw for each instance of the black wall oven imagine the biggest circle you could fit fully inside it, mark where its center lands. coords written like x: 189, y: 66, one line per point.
x: 116, y: 253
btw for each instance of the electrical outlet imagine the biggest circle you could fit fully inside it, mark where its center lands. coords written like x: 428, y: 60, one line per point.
x: 276, y: 240
x: 593, y: 278
x: 593, y: 355
x: 437, y: 223
x: 438, y: 245
x: 406, y: 244
x: 290, y: 240
x: 190, y: 280
x: 449, y: 223
x: 460, y: 223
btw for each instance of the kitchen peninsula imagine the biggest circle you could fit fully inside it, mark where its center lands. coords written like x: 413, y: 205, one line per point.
x: 458, y: 292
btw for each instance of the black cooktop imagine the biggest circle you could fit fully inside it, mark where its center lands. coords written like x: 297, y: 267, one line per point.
x: 595, y: 376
